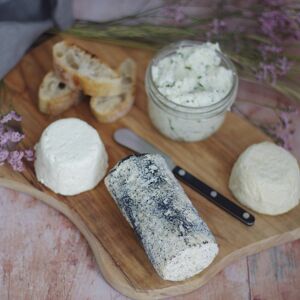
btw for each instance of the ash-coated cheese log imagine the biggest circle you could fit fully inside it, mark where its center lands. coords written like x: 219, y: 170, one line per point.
x: 177, y: 241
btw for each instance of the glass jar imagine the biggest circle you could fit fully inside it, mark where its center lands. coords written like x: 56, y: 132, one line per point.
x: 185, y: 123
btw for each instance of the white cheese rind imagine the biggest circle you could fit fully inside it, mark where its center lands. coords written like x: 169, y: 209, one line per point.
x: 70, y: 157
x: 177, y: 241
x: 266, y: 178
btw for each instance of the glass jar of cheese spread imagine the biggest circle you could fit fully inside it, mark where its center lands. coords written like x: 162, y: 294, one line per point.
x: 190, y: 86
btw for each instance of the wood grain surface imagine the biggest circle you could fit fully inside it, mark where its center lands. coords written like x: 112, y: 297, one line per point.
x: 119, y: 255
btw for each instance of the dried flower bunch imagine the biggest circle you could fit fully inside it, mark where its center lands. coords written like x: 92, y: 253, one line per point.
x: 9, y: 138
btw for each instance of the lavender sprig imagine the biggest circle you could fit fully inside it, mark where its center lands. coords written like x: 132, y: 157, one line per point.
x: 9, y: 138
x: 282, y: 129
x: 9, y: 117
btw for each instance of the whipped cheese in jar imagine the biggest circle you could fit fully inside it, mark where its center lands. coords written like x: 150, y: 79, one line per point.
x: 190, y: 86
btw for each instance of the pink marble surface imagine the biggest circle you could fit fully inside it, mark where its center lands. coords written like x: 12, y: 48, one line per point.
x: 43, y: 256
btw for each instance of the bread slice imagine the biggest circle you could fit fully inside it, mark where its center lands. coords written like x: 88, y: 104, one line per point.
x: 109, y: 109
x: 80, y: 70
x: 55, y: 96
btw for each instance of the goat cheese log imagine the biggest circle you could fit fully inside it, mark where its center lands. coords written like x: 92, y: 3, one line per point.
x: 177, y: 241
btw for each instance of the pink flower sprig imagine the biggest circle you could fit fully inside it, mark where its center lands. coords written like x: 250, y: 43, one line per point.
x: 173, y: 13
x: 9, y: 138
x: 9, y: 117
x: 271, y: 71
x: 279, y: 24
x: 217, y: 27
x: 282, y: 129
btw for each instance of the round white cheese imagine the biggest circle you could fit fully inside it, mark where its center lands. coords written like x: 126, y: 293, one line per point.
x: 70, y: 157
x: 266, y: 178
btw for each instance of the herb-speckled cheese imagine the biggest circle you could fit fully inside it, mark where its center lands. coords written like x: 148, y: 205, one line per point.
x: 177, y: 241
x: 193, y: 76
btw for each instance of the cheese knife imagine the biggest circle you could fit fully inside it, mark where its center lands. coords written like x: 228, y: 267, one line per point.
x: 131, y: 140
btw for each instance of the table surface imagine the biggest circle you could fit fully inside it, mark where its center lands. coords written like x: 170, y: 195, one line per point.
x: 44, y: 256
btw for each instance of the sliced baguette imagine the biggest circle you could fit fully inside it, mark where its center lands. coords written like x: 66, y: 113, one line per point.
x: 109, y: 109
x: 80, y: 70
x: 55, y: 96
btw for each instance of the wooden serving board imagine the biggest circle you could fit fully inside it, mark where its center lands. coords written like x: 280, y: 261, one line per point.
x: 120, y: 257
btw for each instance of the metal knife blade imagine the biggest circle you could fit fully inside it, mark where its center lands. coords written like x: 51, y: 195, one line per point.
x: 129, y: 139
x: 132, y: 141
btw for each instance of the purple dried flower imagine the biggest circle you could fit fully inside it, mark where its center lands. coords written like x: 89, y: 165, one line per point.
x: 15, y: 136
x: 267, y: 50
x: 284, y: 65
x: 174, y: 12
x: 284, y: 129
x: 297, y: 34
x: 9, y: 117
x: 2, y: 128
x: 29, y: 155
x: 9, y: 137
x: 4, y: 138
x: 285, y: 141
x: 274, y: 2
x: 267, y: 72
x: 217, y: 27
x: 15, y: 160
x: 270, y: 71
x: 279, y: 24
x: 284, y: 118
x: 3, y: 155
x: 273, y: 21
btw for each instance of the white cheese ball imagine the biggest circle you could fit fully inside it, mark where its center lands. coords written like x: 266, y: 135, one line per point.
x: 70, y: 157
x: 266, y: 178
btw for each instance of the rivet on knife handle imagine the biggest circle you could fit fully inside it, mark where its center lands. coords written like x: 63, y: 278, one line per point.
x: 212, y: 195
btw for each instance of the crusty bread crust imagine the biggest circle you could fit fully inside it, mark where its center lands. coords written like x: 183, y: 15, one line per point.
x: 75, y: 78
x: 127, y: 71
x: 119, y: 111
x: 68, y: 77
x: 112, y: 92
x: 56, y: 101
x: 60, y: 104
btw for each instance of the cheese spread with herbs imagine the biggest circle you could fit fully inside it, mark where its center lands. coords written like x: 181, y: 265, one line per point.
x: 193, y: 77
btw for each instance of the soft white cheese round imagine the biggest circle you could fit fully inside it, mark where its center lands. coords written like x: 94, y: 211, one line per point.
x: 266, y: 178
x: 70, y: 157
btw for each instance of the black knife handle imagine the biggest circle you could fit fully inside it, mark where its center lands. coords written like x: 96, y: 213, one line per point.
x: 213, y: 196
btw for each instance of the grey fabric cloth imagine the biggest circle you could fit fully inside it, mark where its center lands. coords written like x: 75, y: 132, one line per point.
x: 23, y: 21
